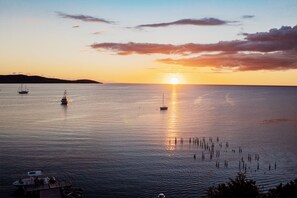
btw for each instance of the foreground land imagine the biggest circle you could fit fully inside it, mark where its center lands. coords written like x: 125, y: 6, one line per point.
x: 242, y: 187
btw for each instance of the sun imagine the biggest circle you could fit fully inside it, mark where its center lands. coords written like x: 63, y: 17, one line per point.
x: 174, y: 81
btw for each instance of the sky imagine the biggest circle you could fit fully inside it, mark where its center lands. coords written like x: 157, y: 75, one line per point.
x: 247, y: 42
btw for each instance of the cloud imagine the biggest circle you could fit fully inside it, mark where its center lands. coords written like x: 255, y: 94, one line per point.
x: 282, y: 39
x: 248, y: 16
x: 84, y: 18
x: 272, y: 50
x: 185, y: 49
x: 239, y: 61
x: 137, y: 48
x: 197, y: 22
x: 284, y: 34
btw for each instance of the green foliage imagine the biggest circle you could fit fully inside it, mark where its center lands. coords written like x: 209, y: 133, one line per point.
x: 240, y: 187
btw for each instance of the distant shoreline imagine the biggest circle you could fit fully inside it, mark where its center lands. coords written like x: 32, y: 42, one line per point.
x: 20, y: 78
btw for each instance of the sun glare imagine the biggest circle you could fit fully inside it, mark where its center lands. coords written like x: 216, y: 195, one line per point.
x: 174, y: 81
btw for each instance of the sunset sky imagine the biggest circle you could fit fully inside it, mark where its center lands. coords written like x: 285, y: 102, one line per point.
x: 156, y: 41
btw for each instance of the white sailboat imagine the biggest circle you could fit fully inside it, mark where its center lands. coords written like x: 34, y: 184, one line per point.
x: 163, y: 107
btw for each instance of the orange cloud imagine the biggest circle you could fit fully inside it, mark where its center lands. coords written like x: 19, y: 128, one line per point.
x: 282, y: 39
x: 273, y: 50
x: 239, y: 61
x: 138, y: 48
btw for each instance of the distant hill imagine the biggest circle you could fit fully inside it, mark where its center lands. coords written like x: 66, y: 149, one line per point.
x: 39, y: 79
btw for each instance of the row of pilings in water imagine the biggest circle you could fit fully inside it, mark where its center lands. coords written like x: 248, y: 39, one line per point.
x: 213, y: 147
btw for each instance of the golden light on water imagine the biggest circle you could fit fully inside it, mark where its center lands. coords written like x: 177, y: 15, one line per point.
x: 172, y: 121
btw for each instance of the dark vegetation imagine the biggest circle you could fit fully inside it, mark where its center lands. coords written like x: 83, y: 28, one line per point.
x: 287, y: 190
x: 242, y: 187
x: 20, y: 78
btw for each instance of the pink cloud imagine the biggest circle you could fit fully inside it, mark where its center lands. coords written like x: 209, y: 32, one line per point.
x: 273, y: 50
x: 239, y: 61
x: 137, y: 48
x: 275, y: 40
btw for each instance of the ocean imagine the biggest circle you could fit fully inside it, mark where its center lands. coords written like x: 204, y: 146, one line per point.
x: 113, y: 141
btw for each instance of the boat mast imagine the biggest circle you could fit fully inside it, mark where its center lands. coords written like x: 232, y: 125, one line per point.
x: 163, y: 99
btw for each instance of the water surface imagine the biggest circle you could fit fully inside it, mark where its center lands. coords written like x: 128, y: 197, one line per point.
x: 113, y: 141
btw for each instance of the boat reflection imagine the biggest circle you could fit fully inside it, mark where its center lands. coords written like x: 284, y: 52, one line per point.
x: 65, y: 109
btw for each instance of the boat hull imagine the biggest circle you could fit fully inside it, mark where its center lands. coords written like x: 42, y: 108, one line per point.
x: 30, y: 181
x: 23, y: 92
x: 64, y: 101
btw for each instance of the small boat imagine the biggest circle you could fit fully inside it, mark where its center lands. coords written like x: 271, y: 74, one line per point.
x: 161, y: 195
x: 23, y: 90
x: 64, y: 100
x: 34, y: 179
x: 163, y: 108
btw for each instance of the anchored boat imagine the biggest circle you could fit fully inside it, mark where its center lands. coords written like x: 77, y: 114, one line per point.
x: 23, y: 90
x: 35, y: 183
x: 64, y: 100
x: 163, y: 108
x: 35, y: 178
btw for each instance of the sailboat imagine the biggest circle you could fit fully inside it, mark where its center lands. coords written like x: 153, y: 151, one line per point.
x: 163, y: 108
x: 64, y: 100
x: 23, y: 90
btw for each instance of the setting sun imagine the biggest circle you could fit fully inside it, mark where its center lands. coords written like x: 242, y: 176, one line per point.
x: 174, y: 81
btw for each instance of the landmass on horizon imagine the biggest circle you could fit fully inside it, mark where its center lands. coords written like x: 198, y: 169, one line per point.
x: 21, y: 78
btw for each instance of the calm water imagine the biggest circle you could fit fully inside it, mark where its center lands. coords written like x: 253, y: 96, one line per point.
x: 113, y: 141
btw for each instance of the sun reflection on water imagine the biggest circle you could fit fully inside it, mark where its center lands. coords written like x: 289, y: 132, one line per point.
x: 172, y: 121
